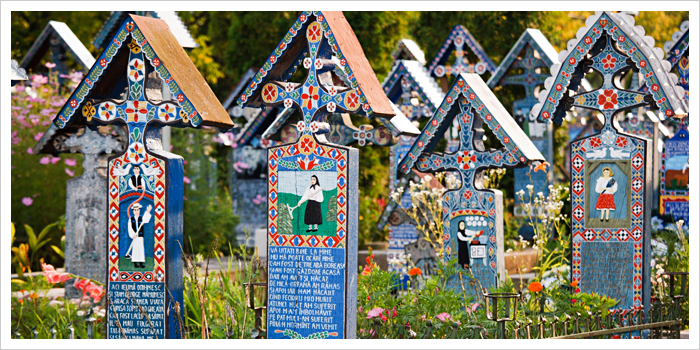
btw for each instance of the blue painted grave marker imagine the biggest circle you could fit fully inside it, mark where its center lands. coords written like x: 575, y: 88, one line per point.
x: 610, y: 196
x: 145, y: 183
x: 472, y: 216
x: 530, y: 54
x: 312, y: 185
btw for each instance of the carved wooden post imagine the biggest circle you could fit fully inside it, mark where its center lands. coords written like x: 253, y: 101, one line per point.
x: 675, y: 196
x: 312, y: 185
x: 443, y: 72
x: 145, y: 183
x: 86, y: 208
x: 610, y: 189
x: 407, y: 83
x: 529, y: 55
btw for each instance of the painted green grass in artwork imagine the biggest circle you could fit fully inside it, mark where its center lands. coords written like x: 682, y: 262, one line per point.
x: 127, y: 265
x: 295, y: 225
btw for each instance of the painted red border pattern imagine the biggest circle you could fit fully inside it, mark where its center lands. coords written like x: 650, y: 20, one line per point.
x: 340, y: 156
x: 158, y: 273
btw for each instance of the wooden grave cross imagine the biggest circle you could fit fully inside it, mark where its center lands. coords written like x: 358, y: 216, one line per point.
x: 472, y: 216
x: 145, y: 183
x: 610, y: 190
x: 312, y: 185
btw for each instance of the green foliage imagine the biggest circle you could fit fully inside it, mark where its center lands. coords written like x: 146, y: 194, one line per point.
x: 218, y: 299
x: 31, y: 307
x: 38, y: 180
x: 207, y: 206
x: 27, y: 25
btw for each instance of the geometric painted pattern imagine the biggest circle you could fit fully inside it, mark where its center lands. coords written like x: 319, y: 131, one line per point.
x: 159, y: 200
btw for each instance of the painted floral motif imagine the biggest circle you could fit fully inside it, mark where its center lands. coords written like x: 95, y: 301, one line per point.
x: 466, y: 159
x: 314, y: 32
x: 269, y: 93
x: 607, y: 99
x: 106, y: 111
x: 608, y: 137
x: 621, y: 141
x: 608, y: 62
x: 136, y: 70
x: 310, y: 97
x: 595, y: 142
x: 352, y: 100
x: 580, y: 100
x: 167, y: 112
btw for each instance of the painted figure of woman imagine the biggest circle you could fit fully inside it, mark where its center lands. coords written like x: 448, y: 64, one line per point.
x: 465, y: 238
x: 606, y: 186
x: 314, y: 196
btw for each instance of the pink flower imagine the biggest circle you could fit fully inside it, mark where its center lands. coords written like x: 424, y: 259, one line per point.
x: 55, y: 160
x: 374, y: 312
x: 81, y: 284
x: 258, y: 199
x: 30, y: 150
x: 444, y: 316
x: 69, y: 172
x: 96, y: 292
x: 38, y: 136
x: 45, y: 160
x: 472, y: 308
x: 186, y: 179
x: 70, y: 162
x: 27, y: 201
x: 52, y: 276
x: 239, y: 166
x: 20, y: 88
x: 50, y: 65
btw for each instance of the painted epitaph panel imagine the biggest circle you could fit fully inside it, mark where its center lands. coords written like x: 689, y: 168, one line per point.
x: 311, y: 276
x: 472, y: 217
x: 312, y: 186
x: 610, y: 170
x: 145, y: 183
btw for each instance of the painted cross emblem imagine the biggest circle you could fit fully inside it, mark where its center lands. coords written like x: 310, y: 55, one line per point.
x: 138, y: 111
x: 315, y: 100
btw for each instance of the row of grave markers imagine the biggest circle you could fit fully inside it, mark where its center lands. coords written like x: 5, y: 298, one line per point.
x: 313, y: 260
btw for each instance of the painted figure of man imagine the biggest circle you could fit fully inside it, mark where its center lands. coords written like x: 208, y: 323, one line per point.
x: 314, y: 196
x: 606, y: 185
x: 136, y: 223
x: 137, y: 179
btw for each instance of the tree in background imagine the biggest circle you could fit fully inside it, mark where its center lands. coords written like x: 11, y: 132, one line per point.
x: 231, y: 42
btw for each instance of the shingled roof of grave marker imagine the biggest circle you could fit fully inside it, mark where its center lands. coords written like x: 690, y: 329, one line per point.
x: 289, y: 54
x: 66, y: 39
x: 535, y: 39
x: 459, y: 31
x: 17, y: 73
x: 407, y: 49
x: 178, y: 29
x: 187, y: 86
x: 481, y: 98
x: 632, y: 42
x: 419, y: 78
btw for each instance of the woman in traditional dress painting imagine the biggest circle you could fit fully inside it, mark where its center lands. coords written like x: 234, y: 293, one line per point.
x: 606, y: 186
x: 314, y: 196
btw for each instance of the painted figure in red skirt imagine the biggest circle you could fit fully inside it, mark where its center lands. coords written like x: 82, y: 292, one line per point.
x: 606, y: 186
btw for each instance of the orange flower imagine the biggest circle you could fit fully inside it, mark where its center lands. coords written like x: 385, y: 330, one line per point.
x: 34, y: 295
x: 21, y: 301
x: 415, y: 272
x: 367, y: 270
x: 542, y: 166
x: 535, y: 287
x: 574, y: 283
